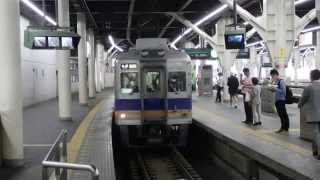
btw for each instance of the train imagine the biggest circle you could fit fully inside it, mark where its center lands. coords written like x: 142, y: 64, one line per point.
x: 153, y: 94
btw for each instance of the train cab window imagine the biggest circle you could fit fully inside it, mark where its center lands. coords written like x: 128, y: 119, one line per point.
x: 177, y: 81
x: 129, y: 83
x: 152, y: 81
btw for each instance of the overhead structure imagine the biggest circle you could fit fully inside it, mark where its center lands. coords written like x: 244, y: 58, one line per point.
x: 193, y: 27
x: 131, y: 8
x: 164, y: 29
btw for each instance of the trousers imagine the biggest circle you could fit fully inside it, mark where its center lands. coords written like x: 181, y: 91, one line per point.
x: 248, y: 110
x: 256, y: 110
x: 282, y: 112
x: 316, y: 138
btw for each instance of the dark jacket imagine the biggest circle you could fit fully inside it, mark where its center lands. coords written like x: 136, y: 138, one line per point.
x: 233, y: 84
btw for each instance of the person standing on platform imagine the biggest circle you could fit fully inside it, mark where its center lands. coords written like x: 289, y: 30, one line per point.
x: 245, y: 90
x: 219, y: 87
x: 280, y: 90
x: 233, y: 84
x: 256, y: 101
x: 311, y: 96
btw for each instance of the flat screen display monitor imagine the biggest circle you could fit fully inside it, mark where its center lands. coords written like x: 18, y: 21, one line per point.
x: 235, y: 41
x: 53, y: 42
x: 66, y: 42
x: 40, y: 42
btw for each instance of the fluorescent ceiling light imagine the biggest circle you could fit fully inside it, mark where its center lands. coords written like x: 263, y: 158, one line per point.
x: 297, y: 2
x: 114, y: 44
x: 202, y: 20
x: 315, y: 28
x: 255, y: 43
x: 50, y: 20
x: 38, y: 11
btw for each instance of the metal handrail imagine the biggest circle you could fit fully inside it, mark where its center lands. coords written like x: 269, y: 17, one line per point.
x: 57, y: 157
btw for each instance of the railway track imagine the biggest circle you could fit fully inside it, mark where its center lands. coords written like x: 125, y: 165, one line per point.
x: 160, y: 164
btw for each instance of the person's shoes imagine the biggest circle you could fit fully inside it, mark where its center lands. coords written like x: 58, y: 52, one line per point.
x: 317, y: 157
x: 245, y: 121
x: 259, y: 123
x: 315, y: 153
x: 279, y: 131
x: 235, y: 106
x: 255, y: 124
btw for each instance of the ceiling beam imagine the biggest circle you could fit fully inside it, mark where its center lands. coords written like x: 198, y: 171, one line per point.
x: 172, y: 18
x: 131, y: 8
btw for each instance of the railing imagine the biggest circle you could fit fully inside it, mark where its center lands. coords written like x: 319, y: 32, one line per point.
x: 57, y: 159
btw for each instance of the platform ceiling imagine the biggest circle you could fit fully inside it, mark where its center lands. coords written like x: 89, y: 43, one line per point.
x: 148, y: 16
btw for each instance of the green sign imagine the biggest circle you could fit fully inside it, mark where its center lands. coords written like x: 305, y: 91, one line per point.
x: 50, y: 38
x: 201, y: 53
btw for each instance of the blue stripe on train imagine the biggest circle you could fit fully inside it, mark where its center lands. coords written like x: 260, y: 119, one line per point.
x: 127, y: 104
x: 152, y: 104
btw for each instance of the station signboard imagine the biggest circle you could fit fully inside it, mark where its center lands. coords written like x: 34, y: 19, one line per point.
x: 200, y: 53
x: 50, y: 38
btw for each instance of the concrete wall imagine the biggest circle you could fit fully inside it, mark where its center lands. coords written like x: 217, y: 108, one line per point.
x: 38, y: 72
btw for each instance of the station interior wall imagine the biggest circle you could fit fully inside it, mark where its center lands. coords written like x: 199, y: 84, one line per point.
x: 39, y: 71
x: 304, y: 66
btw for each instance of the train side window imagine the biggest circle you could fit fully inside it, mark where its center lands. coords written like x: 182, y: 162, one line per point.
x: 129, y: 83
x: 152, y: 81
x: 177, y: 81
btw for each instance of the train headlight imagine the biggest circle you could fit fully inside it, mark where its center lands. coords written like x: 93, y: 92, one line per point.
x: 123, y: 115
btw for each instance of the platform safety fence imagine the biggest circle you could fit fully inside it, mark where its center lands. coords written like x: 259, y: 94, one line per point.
x: 55, y: 162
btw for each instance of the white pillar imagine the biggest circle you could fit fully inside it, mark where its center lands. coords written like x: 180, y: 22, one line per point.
x: 10, y: 88
x: 82, y: 59
x: 253, y: 61
x: 103, y: 69
x: 91, y: 66
x: 64, y: 79
x: 318, y: 50
x: 280, y: 34
x: 99, y: 59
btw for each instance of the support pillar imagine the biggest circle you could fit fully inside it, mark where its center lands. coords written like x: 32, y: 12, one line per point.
x: 82, y: 59
x: 11, y: 126
x: 64, y: 78
x: 297, y: 60
x: 91, y: 66
x: 99, y: 59
x: 318, y: 51
x: 253, y: 61
x: 280, y: 31
x: 226, y: 57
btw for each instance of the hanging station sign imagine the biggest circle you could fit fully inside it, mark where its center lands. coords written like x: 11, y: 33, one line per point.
x: 200, y: 53
x: 50, y: 38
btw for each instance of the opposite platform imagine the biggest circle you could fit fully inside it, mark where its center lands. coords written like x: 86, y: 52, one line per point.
x: 286, y: 153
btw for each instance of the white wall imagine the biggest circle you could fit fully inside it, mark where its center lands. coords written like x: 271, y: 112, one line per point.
x: 38, y: 72
x: 109, y: 79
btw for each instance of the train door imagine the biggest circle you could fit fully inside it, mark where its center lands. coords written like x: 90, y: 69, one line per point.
x: 154, y: 95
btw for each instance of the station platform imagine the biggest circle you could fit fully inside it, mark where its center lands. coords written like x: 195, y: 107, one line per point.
x: 285, y: 152
x: 41, y: 128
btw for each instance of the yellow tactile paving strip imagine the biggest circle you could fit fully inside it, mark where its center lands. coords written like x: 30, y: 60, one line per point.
x: 259, y: 133
x: 78, y: 137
